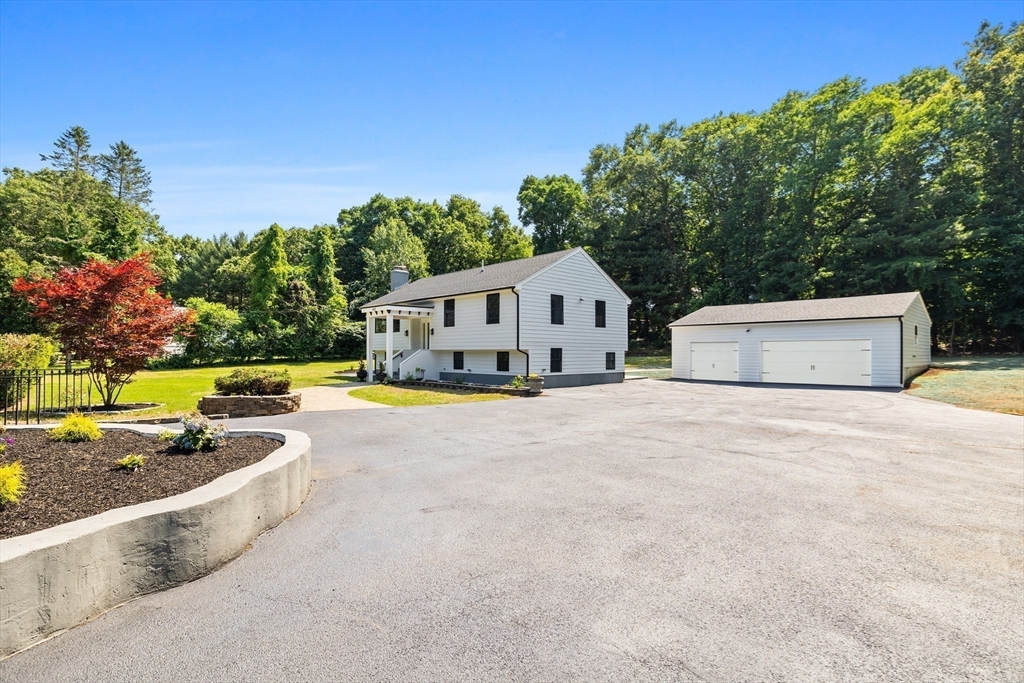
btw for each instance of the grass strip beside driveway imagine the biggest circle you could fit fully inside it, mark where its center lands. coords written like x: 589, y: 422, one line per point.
x: 402, y: 397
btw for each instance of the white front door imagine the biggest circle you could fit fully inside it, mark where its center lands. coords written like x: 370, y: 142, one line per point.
x: 843, y: 362
x: 715, y: 361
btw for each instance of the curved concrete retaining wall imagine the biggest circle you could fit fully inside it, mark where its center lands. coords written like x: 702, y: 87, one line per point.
x: 250, y: 406
x: 57, y: 578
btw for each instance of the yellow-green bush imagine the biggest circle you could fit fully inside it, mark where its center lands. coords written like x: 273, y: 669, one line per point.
x: 12, y: 483
x: 76, y: 427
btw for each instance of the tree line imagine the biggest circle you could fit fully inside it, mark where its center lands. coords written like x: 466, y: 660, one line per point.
x: 916, y: 184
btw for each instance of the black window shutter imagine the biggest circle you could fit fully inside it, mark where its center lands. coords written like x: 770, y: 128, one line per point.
x: 493, y: 309
x: 557, y: 310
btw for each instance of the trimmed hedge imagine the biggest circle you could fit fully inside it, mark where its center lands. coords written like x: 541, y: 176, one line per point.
x: 254, y: 382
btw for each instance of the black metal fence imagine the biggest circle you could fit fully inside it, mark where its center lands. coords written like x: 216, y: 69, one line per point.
x: 32, y: 395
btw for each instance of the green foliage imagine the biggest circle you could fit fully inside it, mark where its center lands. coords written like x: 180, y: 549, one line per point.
x: 847, y: 190
x: 270, y: 270
x: 25, y: 351
x: 76, y: 428
x: 517, y: 382
x: 211, y: 336
x: 554, y: 206
x: 391, y: 244
x: 131, y: 462
x: 254, y: 382
x: 165, y: 435
x: 12, y: 483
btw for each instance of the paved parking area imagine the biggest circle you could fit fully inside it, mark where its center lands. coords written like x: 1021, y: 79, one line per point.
x: 653, y: 530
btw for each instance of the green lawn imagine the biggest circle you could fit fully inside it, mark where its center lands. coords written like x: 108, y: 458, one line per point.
x: 400, y: 396
x: 654, y: 366
x: 994, y: 383
x: 180, y: 390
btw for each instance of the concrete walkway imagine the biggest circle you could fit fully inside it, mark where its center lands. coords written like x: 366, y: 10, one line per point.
x: 333, y: 397
x: 644, y: 531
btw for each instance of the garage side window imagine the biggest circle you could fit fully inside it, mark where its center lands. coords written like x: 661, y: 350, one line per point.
x: 609, y: 360
x: 557, y: 311
x: 380, y: 325
x: 502, y: 361
x: 599, y: 314
x: 556, y: 360
x: 915, y: 334
x: 458, y: 360
x: 449, y: 312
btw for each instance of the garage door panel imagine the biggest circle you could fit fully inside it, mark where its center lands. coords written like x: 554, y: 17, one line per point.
x: 714, y: 361
x: 842, y: 362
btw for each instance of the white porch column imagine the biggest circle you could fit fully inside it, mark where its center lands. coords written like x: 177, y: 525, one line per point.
x: 391, y: 342
x: 369, y: 347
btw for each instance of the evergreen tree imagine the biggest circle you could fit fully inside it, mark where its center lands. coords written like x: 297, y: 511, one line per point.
x: 125, y: 175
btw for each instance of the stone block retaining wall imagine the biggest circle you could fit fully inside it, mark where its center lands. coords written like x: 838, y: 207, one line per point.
x: 250, y: 406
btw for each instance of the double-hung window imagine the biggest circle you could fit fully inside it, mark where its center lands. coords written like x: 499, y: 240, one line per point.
x: 502, y: 361
x: 556, y: 360
x: 557, y: 309
x: 380, y: 325
x: 449, y: 312
x: 493, y: 309
x: 599, y: 314
x: 458, y: 360
x: 609, y: 360
x: 396, y: 325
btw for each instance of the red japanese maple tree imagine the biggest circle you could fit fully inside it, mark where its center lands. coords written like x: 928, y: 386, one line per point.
x: 108, y: 314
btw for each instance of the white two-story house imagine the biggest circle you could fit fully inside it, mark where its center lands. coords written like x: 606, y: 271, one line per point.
x: 556, y: 315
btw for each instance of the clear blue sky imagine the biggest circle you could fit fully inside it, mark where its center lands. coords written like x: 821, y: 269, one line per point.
x: 248, y: 114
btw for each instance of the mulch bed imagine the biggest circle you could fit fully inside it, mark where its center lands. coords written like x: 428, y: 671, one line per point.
x: 69, y: 481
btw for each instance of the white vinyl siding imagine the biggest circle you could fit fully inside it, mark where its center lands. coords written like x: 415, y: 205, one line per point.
x: 580, y: 282
x: 482, y: 362
x: 471, y: 331
x: 917, y: 352
x: 845, y: 362
x: 714, y: 361
x: 883, y: 333
x: 400, y: 341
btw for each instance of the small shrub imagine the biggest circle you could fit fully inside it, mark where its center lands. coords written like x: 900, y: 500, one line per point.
x: 409, y: 377
x: 131, y: 462
x: 12, y: 483
x: 517, y: 382
x: 459, y: 379
x: 165, y: 435
x: 76, y: 427
x: 254, y: 382
x: 24, y: 351
x: 200, y: 434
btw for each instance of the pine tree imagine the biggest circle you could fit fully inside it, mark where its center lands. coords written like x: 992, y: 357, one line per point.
x: 125, y: 175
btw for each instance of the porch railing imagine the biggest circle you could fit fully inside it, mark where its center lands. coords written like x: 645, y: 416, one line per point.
x: 31, y: 395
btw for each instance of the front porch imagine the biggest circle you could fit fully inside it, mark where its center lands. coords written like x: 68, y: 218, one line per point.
x: 398, y: 339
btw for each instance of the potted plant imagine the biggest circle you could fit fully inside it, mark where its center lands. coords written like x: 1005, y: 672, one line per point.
x: 535, y: 383
x: 419, y: 374
x: 380, y: 374
x: 361, y: 372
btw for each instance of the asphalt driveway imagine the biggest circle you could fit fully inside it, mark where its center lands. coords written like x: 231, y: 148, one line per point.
x: 651, y: 530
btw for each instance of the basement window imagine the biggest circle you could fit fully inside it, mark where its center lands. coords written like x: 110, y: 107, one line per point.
x: 609, y: 360
x: 502, y: 361
x: 458, y: 360
x: 556, y: 359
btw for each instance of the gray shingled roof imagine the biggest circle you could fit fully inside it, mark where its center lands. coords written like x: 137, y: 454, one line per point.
x: 486, y: 279
x: 875, y: 306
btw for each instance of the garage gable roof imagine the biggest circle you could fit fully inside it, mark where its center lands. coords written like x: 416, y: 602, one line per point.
x: 853, y: 307
x: 487, y: 278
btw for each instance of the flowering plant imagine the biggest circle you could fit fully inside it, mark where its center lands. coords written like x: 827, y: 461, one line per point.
x: 5, y: 441
x: 200, y: 434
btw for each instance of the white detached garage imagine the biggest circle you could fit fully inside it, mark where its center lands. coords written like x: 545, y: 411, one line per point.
x: 871, y: 341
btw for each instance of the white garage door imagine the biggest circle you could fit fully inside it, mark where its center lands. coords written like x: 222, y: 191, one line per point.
x: 714, y: 360
x: 846, y: 362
